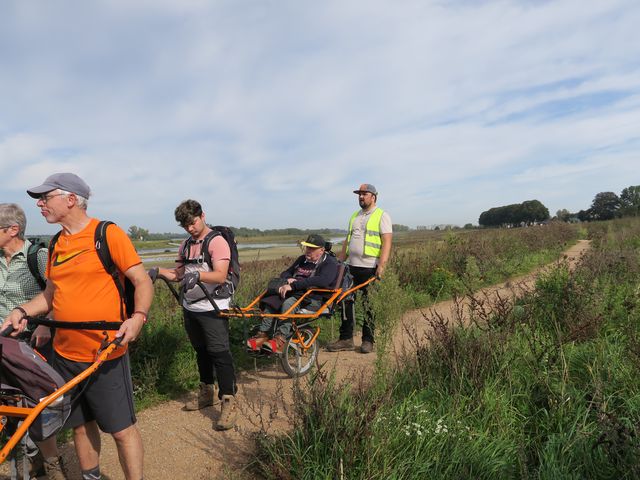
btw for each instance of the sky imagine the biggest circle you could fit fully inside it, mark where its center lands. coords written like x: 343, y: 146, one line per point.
x: 270, y: 113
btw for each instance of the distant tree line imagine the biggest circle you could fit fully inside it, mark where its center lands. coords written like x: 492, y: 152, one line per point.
x: 525, y: 213
x: 256, y: 232
x: 606, y: 206
x: 138, y: 233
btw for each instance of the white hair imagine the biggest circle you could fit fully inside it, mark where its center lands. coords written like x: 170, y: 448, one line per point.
x: 81, y: 201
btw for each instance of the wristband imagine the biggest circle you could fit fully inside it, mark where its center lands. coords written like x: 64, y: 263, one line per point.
x: 23, y: 311
x: 144, y: 315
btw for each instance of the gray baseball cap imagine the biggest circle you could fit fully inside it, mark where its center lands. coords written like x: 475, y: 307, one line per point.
x: 366, y: 187
x: 69, y: 182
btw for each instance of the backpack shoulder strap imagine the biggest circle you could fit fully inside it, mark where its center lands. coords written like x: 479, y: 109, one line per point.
x: 184, y: 252
x: 205, y: 247
x: 32, y: 263
x: 52, y: 244
x: 102, y: 246
x: 104, y: 254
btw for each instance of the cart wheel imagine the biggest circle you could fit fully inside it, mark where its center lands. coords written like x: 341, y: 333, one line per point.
x: 295, y: 361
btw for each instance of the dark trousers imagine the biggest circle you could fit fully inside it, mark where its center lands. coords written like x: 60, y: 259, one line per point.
x: 360, y: 275
x: 209, y: 337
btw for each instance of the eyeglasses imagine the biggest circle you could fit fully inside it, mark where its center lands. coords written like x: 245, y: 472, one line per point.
x: 7, y: 226
x: 45, y: 198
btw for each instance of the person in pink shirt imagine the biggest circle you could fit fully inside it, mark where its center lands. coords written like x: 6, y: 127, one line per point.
x: 207, y: 331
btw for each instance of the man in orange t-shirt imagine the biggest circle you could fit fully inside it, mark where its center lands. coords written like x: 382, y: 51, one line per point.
x: 80, y: 289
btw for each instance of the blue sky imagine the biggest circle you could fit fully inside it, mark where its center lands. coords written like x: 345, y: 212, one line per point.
x: 271, y: 112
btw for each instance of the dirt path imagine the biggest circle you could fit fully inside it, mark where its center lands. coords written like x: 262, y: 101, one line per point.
x: 182, y: 444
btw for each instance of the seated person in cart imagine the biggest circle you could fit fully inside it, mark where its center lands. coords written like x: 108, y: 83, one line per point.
x: 317, y: 268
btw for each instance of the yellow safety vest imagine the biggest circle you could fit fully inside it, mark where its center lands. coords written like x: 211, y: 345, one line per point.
x: 372, y: 236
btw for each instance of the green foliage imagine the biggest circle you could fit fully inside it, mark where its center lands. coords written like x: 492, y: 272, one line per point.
x: 275, y: 232
x: 630, y: 201
x: 387, y: 301
x: 400, y: 228
x: 563, y: 215
x: 456, y: 263
x: 137, y: 233
x: 605, y: 206
x: 528, y: 212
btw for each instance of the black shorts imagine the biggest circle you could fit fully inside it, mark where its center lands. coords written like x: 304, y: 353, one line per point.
x: 107, y: 398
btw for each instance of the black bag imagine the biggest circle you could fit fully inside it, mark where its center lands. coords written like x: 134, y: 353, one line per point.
x: 32, y: 261
x: 274, y: 285
x: 26, y: 371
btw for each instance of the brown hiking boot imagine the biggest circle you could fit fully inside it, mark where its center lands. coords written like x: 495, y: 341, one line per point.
x: 54, y: 468
x: 366, y: 347
x: 341, y: 345
x: 207, y: 396
x: 228, y: 413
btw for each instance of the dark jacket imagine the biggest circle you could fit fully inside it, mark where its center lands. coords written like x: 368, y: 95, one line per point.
x: 324, y: 275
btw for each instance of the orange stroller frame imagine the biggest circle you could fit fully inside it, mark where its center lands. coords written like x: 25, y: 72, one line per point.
x: 300, y: 351
x: 11, y: 398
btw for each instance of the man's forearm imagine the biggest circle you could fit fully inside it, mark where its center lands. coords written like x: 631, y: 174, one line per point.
x: 343, y: 253
x: 385, y: 251
x: 143, y: 296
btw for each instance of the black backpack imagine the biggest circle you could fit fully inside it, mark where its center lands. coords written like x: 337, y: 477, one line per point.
x: 127, y: 290
x: 233, y: 275
x: 32, y: 261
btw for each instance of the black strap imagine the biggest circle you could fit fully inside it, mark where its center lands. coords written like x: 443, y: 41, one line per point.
x: 102, y: 249
x: 97, y: 325
x: 53, y: 241
x: 204, y: 249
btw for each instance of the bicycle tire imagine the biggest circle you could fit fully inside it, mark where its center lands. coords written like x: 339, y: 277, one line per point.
x: 295, y: 362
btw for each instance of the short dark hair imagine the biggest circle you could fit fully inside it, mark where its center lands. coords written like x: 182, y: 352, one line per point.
x: 187, y: 211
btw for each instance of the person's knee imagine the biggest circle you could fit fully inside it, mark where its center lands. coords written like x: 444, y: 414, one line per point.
x: 126, y: 434
x: 89, y: 429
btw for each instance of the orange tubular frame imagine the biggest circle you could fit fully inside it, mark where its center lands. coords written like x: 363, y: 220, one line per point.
x: 336, y: 296
x: 298, y: 320
x: 30, y: 414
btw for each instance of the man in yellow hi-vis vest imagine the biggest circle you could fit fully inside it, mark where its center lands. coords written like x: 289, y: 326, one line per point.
x: 367, y: 249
